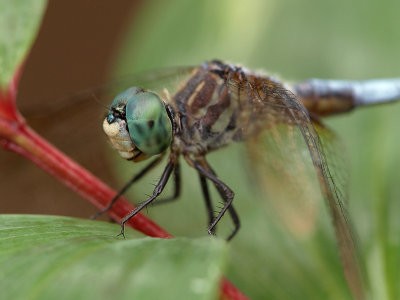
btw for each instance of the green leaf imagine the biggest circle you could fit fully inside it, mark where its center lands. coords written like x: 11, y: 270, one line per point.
x: 48, y: 257
x: 19, y: 22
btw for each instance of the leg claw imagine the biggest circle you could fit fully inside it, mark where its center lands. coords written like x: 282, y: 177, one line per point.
x: 122, y: 231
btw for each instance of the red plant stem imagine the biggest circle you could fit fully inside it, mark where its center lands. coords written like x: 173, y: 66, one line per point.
x: 30, y: 145
x: 229, y: 291
x: 17, y: 136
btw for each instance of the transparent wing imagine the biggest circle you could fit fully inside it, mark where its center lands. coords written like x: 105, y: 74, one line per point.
x: 334, y: 196
x: 102, y: 95
x: 74, y: 122
x: 290, y: 158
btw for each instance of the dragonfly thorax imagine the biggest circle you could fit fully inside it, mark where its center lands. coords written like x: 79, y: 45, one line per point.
x: 138, y: 125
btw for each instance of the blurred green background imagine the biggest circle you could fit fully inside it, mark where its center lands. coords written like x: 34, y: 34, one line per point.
x: 296, y: 40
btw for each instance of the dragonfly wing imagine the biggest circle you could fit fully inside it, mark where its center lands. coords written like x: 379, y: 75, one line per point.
x: 103, y: 94
x: 73, y: 123
x: 333, y: 194
x: 291, y: 145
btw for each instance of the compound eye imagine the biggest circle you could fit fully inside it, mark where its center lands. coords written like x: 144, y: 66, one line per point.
x: 148, y: 123
x: 123, y: 98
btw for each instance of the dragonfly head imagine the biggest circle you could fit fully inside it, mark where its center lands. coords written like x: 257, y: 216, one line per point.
x: 138, y: 125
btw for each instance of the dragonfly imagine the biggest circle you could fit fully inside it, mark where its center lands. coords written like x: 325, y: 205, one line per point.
x: 192, y: 111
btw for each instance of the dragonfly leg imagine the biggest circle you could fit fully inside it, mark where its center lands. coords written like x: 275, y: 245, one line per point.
x: 207, y: 199
x: 156, y: 192
x: 234, y: 217
x: 226, y: 193
x: 177, y: 187
x: 127, y: 186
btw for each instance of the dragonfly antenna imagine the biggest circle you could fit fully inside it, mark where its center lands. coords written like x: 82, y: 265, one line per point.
x: 95, y: 98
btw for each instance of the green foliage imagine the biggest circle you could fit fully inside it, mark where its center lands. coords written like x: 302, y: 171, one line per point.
x: 19, y: 22
x: 45, y: 257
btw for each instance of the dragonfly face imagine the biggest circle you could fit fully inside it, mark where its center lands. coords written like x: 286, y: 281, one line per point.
x: 138, y: 125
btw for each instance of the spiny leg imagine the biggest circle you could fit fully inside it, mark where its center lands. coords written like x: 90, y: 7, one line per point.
x: 226, y: 193
x: 177, y: 187
x: 231, y: 209
x: 232, y: 212
x: 207, y: 199
x: 127, y: 186
x: 156, y: 192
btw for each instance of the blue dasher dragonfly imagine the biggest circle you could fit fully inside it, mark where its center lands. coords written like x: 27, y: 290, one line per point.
x: 190, y: 112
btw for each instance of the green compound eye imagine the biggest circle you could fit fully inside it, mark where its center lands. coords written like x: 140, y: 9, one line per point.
x: 148, y: 123
x: 123, y: 98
